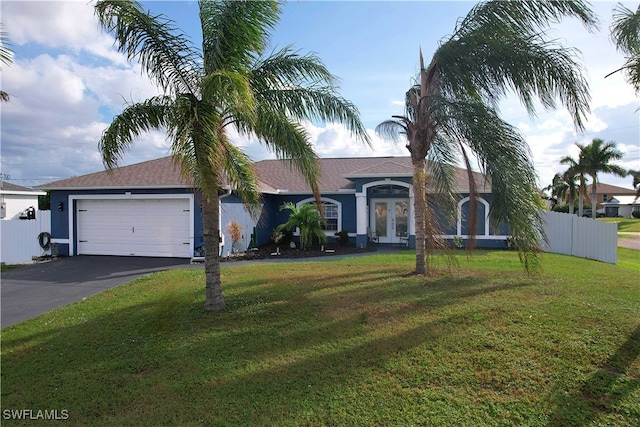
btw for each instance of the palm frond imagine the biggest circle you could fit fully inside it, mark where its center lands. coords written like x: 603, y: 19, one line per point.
x: 235, y: 33
x: 524, y: 17
x: 442, y: 186
x: 489, y: 66
x: 288, y: 140
x: 286, y: 68
x: 6, y: 54
x: 166, y: 54
x: 393, y: 129
x: 136, y: 119
x: 233, y: 95
x: 240, y: 174
x: 504, y: 157
x: 6, y: 57
x: 625, y: 30
x: 303, y: 88
x: 625, y: 33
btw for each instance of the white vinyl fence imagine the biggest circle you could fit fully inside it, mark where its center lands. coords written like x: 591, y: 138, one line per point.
x: 19, y: 238
x: 581, y: 237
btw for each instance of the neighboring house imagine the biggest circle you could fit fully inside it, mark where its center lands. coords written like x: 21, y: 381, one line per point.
x: 621, y: 206
x: 605, y: 192
x: 16, y: 199
x: 148, y: 209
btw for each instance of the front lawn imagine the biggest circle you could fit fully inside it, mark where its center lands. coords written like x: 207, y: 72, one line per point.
x: 628, y: 225
x: 353, y: 342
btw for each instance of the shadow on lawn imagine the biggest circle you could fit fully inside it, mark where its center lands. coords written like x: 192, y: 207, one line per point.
x: 608, y: 386
x: 269, y: 358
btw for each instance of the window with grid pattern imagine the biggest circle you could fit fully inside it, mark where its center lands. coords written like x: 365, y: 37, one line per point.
x: 330, y: 215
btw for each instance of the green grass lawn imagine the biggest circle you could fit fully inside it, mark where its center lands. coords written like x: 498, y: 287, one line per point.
x: 352, y: 342
x: 625, y: 225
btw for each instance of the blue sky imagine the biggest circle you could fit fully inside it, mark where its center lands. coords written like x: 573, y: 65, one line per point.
x: 67, y: 82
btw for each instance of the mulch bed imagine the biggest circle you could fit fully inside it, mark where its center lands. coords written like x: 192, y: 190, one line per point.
x: 267, y: 251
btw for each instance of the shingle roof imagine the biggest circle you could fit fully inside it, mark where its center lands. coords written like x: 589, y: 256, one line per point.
x: 9, y: 187
x: 159, y: 173
x: 274, y: 175
x: 610, y: 189
x: 335, y: 173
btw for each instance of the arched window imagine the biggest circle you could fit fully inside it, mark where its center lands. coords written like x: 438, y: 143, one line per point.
x: 482, y: 217
x: 332, y: 213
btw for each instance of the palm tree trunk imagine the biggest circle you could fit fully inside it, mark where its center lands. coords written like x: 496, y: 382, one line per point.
x: 571, y: 202
x: 420, y: 209
x: 214, y: 300
x: 581, y: 197
x: 594, y: 202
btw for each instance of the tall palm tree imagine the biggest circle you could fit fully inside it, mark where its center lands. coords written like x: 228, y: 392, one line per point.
x: 577, y: 168
x: 6, y: 57
x: 565, y: 187
x: 229, y: 82
x: 625, y: 33
x: 451, y: 112
x: 597, y: 157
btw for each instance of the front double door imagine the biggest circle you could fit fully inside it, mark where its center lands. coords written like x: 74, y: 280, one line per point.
x: 390, y: 220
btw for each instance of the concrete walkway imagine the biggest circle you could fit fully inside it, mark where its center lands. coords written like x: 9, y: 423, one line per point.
x: 629, y: 240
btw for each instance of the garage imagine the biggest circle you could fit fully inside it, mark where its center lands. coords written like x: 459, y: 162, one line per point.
x: 152, y: 227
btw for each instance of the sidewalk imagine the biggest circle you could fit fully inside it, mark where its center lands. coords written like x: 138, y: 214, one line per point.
x: 629, y: 240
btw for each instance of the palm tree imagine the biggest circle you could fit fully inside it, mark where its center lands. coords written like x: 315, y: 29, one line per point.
x: 228, y: 83
x: 636, y: 180
x: 597, y: 157
x: 565, y: 187
x: 451, y: 112
x: 577, y: 168
x: 308, y: 219
x: 625, y: 33
x: 6, y: 57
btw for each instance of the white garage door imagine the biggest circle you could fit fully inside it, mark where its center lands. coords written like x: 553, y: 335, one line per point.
x: 134, y: 227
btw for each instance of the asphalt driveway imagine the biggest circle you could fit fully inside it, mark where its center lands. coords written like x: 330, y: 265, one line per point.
x: 38, y: 288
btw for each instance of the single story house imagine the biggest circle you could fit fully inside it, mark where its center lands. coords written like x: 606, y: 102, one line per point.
x: 16, y: 199
x: 149, y: 209
x: 621, y: 206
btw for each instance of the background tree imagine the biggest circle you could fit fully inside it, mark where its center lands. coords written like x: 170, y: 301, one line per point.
x: 625, y: 33
x: 636, y: 180
x: 229, y: 82
x: 308, y: 219
x: 451, y: 113
x: 597, y: 157
x: 565, y: 187
x: 577, y: 169
x: 6, y: 58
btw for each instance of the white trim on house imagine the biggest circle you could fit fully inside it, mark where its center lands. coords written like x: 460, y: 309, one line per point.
x: 487, y: 231
x: 328, y: 200
x: 126, y: 196
x: 340, y: 191
x: 362, y: 208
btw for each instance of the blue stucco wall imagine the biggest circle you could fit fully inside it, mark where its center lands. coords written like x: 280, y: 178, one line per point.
x: 272, y: 216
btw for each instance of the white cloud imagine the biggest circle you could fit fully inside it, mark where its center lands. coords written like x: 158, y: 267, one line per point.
x: 58, y: 24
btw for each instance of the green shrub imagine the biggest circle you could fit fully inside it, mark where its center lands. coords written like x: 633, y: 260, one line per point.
x: 308, y: 220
